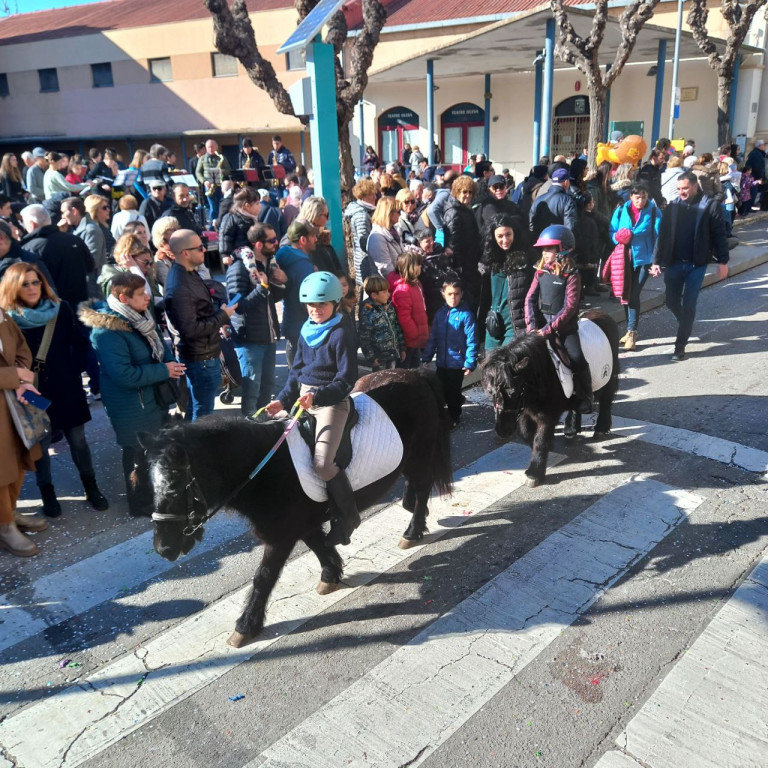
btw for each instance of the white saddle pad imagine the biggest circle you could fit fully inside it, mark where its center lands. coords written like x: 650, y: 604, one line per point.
x: 377, y: 450
x: 597, y: 351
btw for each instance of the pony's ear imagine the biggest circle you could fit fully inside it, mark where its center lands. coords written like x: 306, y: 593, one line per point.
x: 521, y: 364
x: 176, y: 452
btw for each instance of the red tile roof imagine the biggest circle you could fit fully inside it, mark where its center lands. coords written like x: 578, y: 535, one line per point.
x: 112, y: 14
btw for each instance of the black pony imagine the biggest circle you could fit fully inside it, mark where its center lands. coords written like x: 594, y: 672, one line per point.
x: 527, y: 394
x: 195, y: 467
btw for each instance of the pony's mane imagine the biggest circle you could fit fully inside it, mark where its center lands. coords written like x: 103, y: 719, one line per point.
x: 500, y: 363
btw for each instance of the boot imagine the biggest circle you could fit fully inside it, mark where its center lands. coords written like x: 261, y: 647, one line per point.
x: 344, y: 509
x: 51, y: 506
x: 93, y: 494
x: 32, y: 522
x: 12, y: 539
x: 582, y: 385
x: 623, y: 339
x: 631, y: 341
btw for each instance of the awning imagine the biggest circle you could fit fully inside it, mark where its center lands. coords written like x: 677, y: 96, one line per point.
x: 510, y: 46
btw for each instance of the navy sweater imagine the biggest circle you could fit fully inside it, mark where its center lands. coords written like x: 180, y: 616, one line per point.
x: 330, y: 367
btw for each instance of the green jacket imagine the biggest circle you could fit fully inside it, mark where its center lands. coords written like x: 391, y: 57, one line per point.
x: 207, y: 164
x: 381, y: 337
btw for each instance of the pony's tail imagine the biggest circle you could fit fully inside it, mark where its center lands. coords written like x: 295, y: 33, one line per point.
x: 442, y: 473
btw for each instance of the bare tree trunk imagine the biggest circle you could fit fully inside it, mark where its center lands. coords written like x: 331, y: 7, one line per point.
x: 596, y: 122
x: 724, y: 85
x: 346, y: 161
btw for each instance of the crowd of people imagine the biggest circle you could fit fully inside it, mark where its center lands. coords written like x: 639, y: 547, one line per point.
x: 442, y: 263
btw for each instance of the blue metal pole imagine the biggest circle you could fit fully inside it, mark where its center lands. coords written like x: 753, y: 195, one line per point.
x: 361, y: 131
x: 732, y: 100
x: 661, y: 60
x: 607, y: 109
x: 431, y: 110
x: 324, y: 133
x: 549, y: 77
x: 537, y: 94
x: 487, y: 123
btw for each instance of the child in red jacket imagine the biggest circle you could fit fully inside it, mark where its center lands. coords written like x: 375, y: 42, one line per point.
x: 408, y: 300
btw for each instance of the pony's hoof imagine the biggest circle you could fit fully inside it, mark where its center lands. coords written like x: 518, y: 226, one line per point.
x: 326, y: 587
x: 408, y: 543
x: 532, y: 482
x: 238, y: 640
x: 569, y: 434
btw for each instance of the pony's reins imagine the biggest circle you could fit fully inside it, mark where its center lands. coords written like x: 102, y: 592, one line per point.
x: 193, y: 489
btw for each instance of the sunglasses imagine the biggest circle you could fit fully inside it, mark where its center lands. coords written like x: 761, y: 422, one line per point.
x: 104, y: 208
x: 31, y: 283
x: 409, y: 202
x: 498, y: 186
x: 200, y: 247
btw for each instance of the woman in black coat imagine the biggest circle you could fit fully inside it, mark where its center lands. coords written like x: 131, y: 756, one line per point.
x: 462, y: 237
x: 28, y: 298
x: 233, y: 230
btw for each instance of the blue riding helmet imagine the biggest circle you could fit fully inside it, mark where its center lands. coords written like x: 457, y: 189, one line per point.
x: 557, y: 235
x: 319, y: 287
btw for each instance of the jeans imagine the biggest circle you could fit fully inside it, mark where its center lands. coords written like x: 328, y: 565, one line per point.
x: 639, y: 278
x: 81, y: 455
x: 683, y: 282
x: 257, y: 365
x: 204, y: 380
x: 214, y: 199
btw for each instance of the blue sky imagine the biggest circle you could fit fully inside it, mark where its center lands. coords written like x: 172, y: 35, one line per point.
x: 24, y: 6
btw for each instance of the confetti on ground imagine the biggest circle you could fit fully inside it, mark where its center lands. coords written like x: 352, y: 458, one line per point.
x: 237, y: 697
x: 429, y: 602
x: 63, y: 663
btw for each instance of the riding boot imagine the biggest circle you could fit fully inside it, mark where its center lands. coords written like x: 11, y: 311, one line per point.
x: 345, y: 516
x: 93, y: 494
x: 51, y: 506
x: 582, y: 385
x: 12, y: 539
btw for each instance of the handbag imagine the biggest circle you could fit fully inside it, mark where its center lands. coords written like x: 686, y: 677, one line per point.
x: 495, y: 325
x: 32, y: 424
x: 167, y: 393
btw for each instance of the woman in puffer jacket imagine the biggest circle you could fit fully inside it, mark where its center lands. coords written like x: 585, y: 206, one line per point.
x: 384, y: 245
x: 233, y: 230
x: 634, y: 225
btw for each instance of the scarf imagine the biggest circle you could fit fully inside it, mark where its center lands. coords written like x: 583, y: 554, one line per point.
x: 34, y: 317
x: 143, y: 323
x: 315, y: 333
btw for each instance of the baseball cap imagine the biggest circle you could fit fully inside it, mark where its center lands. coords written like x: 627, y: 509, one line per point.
x: 616, y: 135
x: 758, y: 143
x: 300, y: 229
x: 497, y: 179
x: 561, y: 174
x: 505, y: 170
x: 156, y: 184
x: 38, y: 152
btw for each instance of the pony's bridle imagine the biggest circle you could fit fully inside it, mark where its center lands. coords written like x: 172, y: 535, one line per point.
x: 498, y: 403
x: 195, y: 501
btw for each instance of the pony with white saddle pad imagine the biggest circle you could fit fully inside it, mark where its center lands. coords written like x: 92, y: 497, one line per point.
x: 196, y: 468
x: 531, y: 387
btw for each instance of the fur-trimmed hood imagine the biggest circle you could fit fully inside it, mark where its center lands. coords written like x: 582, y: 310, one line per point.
x: 623, y: 184
x: 95, y: 313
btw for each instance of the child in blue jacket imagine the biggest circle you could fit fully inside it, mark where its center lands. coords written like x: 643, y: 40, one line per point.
x: 453, y: 339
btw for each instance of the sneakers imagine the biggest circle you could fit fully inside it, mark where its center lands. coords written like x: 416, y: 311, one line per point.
x: 679, y: 355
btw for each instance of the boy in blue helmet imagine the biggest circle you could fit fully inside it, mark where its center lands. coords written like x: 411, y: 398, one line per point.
x: 323, y: 373
x: 552, y: 305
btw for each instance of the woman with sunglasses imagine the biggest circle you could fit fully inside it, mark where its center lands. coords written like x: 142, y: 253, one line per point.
x: 409, y: 217
x: 29, y: 300
x: 132, y: 255
x: 100, y: 210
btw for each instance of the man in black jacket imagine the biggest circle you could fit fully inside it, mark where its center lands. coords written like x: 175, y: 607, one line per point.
x: 67, y: 257
x: 181, y: 209
x: 12, y: 253
x: 555, y: 206
x: 194, y: 321
x: 153, y: 207
x: 691, y: 231
x: 650, y: 175
x: 255, y: 327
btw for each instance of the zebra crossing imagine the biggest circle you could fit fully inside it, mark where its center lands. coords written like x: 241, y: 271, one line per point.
x: 404, y: 708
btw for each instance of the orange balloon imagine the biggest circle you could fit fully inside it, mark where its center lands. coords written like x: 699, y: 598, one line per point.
x: 631, y: 149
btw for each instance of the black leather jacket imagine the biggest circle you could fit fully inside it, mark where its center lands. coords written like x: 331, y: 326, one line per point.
x: 194, y: 319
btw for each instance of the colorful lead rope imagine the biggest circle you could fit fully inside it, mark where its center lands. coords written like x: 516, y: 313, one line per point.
x: 294, y: 416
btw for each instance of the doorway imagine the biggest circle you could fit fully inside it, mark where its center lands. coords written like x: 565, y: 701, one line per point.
x: 570, y: 126
x: 463, y: 133
x: 397, y: 127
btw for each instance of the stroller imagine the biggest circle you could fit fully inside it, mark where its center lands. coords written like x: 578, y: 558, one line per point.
x: 231, y: 376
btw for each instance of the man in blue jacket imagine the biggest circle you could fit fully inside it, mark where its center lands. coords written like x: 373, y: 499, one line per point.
x: 294, y: 260
x: 691, y: 231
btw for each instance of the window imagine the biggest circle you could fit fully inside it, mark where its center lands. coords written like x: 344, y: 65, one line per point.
x: 160, y: 71
x: 296, y: 59
x: 102, y: 75
x: 4, y: 85
x: 223, y: 65
x: 49, y: 80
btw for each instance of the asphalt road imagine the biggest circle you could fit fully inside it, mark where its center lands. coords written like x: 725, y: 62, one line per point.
x: 590, y: 621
